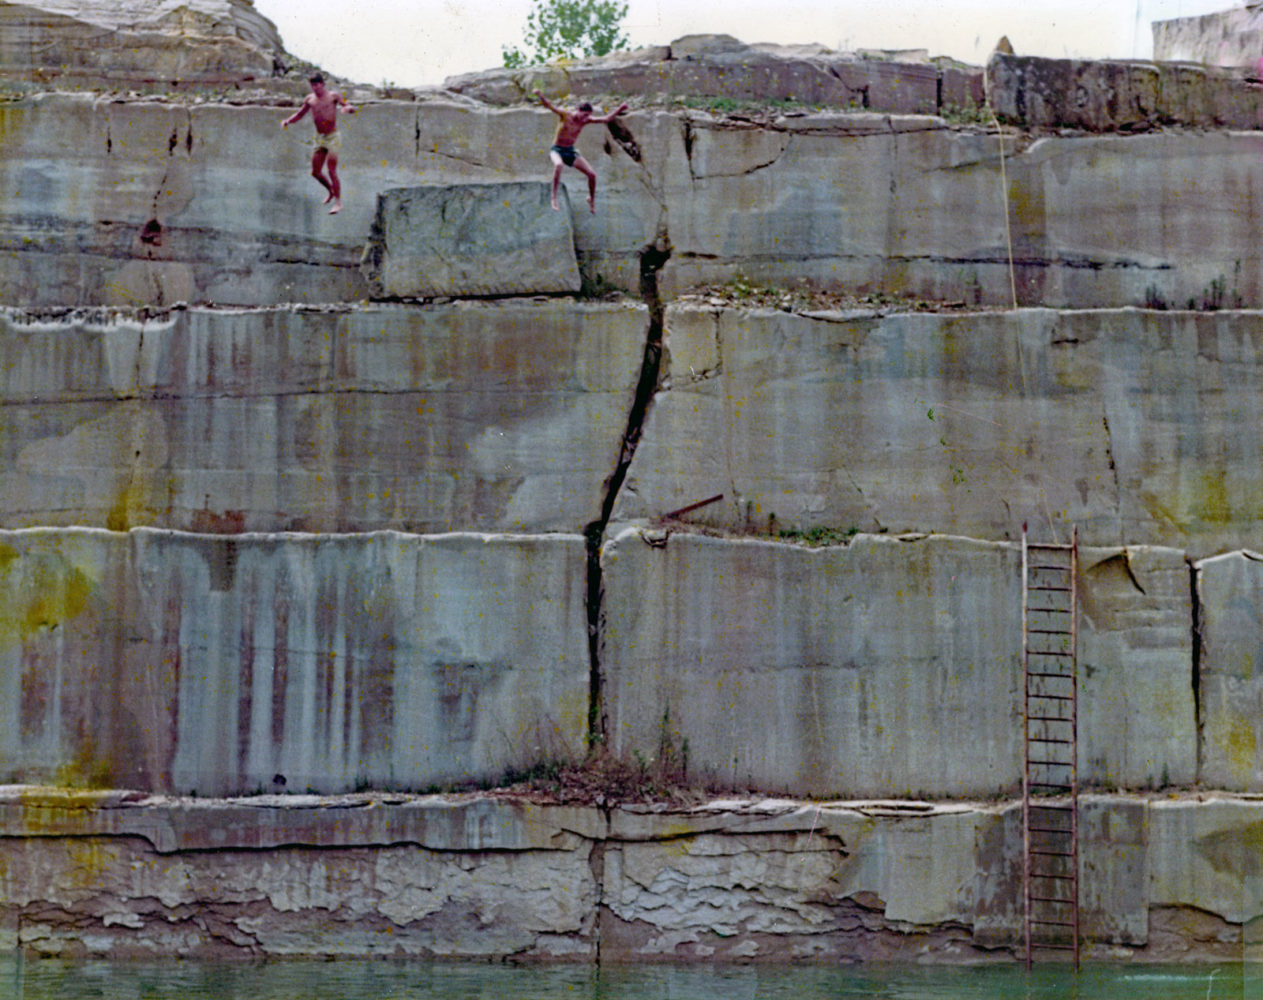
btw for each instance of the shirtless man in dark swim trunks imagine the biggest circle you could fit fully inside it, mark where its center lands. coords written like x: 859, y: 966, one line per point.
x: 563, y: 152
x: 324, y: 105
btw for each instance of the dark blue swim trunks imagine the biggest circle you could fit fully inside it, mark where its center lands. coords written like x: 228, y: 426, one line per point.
x: 567, y: 154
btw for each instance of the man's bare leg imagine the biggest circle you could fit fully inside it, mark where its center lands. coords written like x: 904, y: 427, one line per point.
x: 317, y: 171
x: 584, y: 167
x: 335, y: 186
x: 557, y: 164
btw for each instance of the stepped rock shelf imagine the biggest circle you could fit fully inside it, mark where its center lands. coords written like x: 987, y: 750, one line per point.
x: 302, y: 516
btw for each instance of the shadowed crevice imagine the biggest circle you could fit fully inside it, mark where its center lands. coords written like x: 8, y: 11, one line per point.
x: 652, y: 260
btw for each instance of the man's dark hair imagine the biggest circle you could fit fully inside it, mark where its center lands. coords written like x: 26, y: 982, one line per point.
x: 316, y: 78
x: 585, y: 106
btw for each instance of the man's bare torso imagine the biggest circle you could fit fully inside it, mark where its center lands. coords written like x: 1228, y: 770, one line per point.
x: 324, y: 111
x: 571, y: 125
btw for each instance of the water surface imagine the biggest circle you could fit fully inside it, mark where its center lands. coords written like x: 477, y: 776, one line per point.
x: 46, y: 979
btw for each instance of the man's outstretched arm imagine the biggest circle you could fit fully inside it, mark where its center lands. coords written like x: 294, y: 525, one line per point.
x: 610, y: 117
x: 548, y: 104
x: 297, y: 114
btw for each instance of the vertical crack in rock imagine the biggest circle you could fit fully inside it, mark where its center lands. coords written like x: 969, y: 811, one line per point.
x: 688, y: 147
x: 1196, y: 672
x: 652, y: 259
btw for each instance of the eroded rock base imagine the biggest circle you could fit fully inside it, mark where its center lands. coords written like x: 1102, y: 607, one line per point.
x: 486, y: 877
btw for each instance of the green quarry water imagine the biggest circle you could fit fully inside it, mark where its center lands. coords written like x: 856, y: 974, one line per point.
x: 363, y: 980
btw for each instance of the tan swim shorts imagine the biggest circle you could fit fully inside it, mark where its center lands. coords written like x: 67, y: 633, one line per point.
x: 331, y: 141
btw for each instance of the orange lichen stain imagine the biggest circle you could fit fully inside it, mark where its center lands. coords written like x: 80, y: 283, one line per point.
x: 89, y: 860
x: 67, y: 812
x: 1211, y: 502
x: 1239, y: 746
x: 87, y: 769
x: 127, y: 509
x: 39, y: 591
x: 679, y: 838
x: 571, y: 713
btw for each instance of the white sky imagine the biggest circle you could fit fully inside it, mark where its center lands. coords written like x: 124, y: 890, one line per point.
x: 418, y: 42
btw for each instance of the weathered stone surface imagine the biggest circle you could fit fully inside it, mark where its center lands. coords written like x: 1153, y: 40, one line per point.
x: 1114, y: 856
x: 470, y: 240
x: 1231, y: 669
x: 722, y: 67
x: 969, y: 423
x: 117, y: 874
x: 102, y: 43
x: 1137, y: 704
x: 501, y: 417
x: 776, y: 675
x: 1127, y: 96
x: 147, y: 203
x: 1225, y: 38
x: 1206, y: 854
x: 261, y: 662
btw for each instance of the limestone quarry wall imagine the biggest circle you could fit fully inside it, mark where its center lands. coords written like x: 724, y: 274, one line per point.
x: 261, y: 535
x: 887, y: 667
x: 134, y: 203
x: 1141, y: 427
x: 746, y: 880
x: 466, y: 416
x: 224, y: 665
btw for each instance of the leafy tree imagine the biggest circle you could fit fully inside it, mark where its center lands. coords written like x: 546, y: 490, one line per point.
x: 569, y: 29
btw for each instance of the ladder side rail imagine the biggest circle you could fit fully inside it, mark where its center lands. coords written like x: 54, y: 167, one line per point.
x: 1074, y: 730
x: 1026, y: 767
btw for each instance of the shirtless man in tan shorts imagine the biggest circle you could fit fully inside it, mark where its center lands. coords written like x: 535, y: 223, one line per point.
x: 563, y: 152
x: 323, y: 105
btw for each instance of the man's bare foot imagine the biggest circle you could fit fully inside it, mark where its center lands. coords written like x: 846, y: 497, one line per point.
x: 337, y: 206
x: 556, y: 207
x: 592, y: 205
x: 328, y: 198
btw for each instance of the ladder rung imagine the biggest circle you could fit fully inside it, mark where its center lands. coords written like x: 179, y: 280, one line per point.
x: 1050, y: 697
x: 1045, y: 673
x: 1061, y: 566
x: 1049, y: 899
x: 1059, y: 590
x: 1051, y: 763
x: 1048, y: 631
x: 1064, y: 878
x: 1048, y: 652
x: 1048, y: 784
x: 1050, y: 829
x: 1054, y: 854
x: 1045, y: 739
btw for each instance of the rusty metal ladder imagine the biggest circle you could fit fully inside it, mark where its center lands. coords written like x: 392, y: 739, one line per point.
x: 1050, y: 774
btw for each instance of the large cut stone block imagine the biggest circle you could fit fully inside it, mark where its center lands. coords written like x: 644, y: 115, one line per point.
x: 467, y: 415
x: 1137, y: 426
x: 1230, y: 595
x: 185, y: 662
x: 468, y: 240
x: 767, y: 659
x: 886, y: 666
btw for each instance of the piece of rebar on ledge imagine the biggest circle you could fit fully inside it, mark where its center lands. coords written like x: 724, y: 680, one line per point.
x: 672, y: 515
